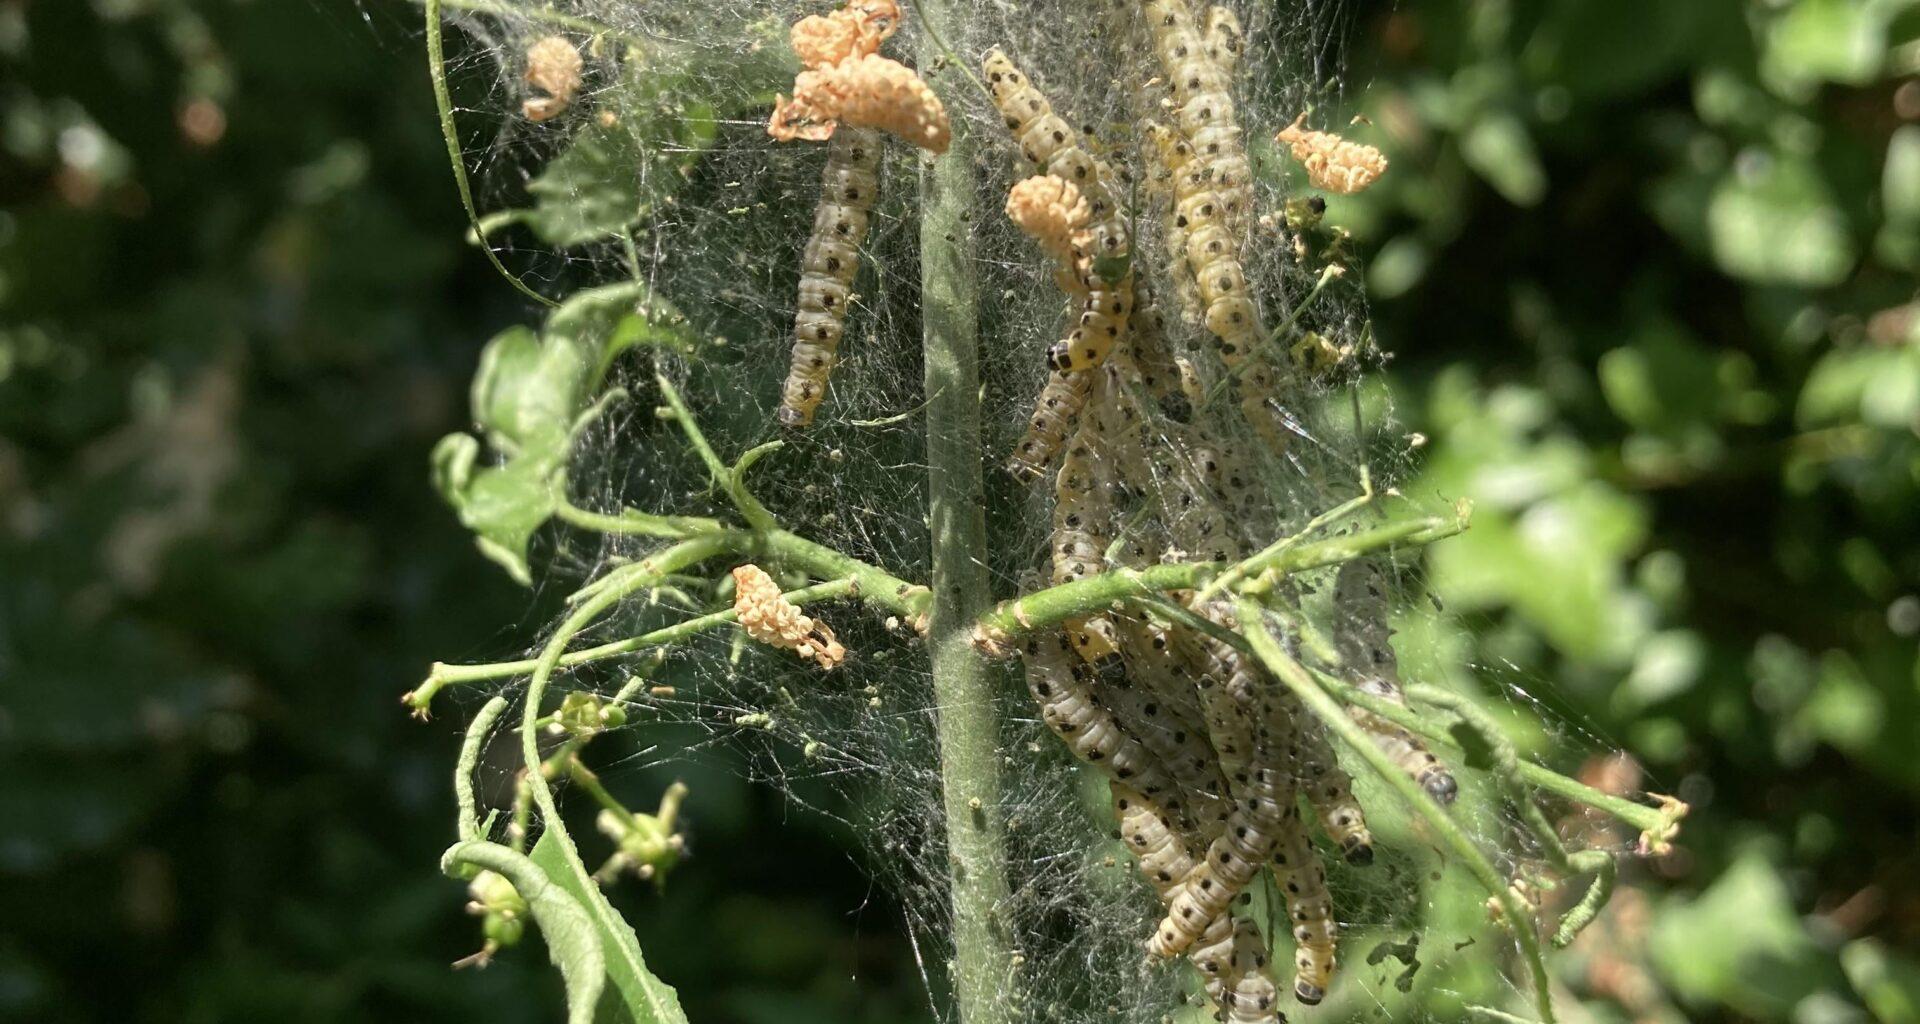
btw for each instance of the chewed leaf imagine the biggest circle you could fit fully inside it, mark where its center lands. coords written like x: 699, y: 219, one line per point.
x: 635, y: 995
x: 614, y: 175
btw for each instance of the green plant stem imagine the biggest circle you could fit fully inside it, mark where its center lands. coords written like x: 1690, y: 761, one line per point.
x: 963, y: 682
x: 444, y: 675
x: 1655, y: 820
x: 1047, y: 607
x: 874, y: 584
x: 637, y: 522
x: 443, y: 100
x: 604, y: 917
x: 1296, y: 678
x: 468, y: 826
x: 726, y: 478
x: 1251, y: 566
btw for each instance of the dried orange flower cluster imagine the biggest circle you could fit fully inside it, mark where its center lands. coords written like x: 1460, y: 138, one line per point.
x: 846, y: 81
x: 553, y: 67
x: 770, y: 618
x: 1332, y: 162
x: 1052, y: 212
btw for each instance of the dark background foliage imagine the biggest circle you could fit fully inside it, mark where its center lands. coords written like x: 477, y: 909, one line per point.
x: 1649, y: 268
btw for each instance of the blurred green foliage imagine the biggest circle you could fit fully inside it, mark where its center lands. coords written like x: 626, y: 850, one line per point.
x: 1649, y: 268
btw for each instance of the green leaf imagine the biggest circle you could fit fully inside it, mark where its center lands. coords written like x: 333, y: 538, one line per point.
x: 1498, y: 147
x: 1740, y: 944
x: 1773, y: 220
x: 636, y: 995
x: 572, y: 943
x: 1817, y: 41
x: 614, y: 175
x: 1888, y: 983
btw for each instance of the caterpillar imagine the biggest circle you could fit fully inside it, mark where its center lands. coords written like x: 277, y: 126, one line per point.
x: 1179, y: 744
x: 1104, y: 311
x: 1302, y: 880
x: 1150, y: 836
x: 827, y: 269
x: 1212, y: 281
x: 1330, y: 790
x: 1361, y: 638
x: 1232, y: 966
x: 1055, y: 412
x: 1248, y: 997
x: 1048, y: 142
x: 1081, y: 514
x: 1265, y: 805
x: 1068, y: 707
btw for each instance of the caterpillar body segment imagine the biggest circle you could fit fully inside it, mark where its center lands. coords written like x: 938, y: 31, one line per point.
x: 1055, y: 414
x: 1152, y: 838
x: 1303, y: 883
x: 1104, y: 313
x: 1082, y: 513
x: 1225, y: 39
x: 1249, y: 995
x: 1232, y: 859
x: 1329, y: 790
x: 1179, y: 745
x: 1068, y: 707
x: 827, y: 269
x: 1361, y: 637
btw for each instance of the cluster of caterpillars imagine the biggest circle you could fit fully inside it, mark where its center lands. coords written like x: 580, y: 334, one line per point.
x: 1210, y: 761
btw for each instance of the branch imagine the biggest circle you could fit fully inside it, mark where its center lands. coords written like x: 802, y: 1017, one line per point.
x: 1044, y: 608
x: 444, y: 675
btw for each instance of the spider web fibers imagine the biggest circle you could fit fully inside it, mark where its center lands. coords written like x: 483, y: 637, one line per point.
x: 648, y: 177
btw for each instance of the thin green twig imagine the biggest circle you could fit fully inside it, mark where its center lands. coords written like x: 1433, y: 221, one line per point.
x: 444, y: 675
x: 726, y: 479
x: 1296, y: 678
x: 468, y: 825
x: 443, y: 101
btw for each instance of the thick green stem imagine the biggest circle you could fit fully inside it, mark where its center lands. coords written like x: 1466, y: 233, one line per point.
x: 1053, y: 605
x: 1519, y: 916
x: 963, y: 681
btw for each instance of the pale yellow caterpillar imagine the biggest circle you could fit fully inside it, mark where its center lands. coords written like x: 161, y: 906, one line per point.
x: 1265, y: 803
x: 1360, y: 636
x: 1048, y: 142
x: 1068, y: 708
x: 1178, y: 744
x: 1330, y: 790
x: 1081, y: 516
x: 1224, y: 959
x: 1302, y: 880
x: 1055, y: 413
x: 827, y: 269
x: 1249, y: 997
x: 1104, y: 312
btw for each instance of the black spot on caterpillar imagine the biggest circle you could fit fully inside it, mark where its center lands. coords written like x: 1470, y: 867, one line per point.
x: 1055, y: 413
x: 827, y: 268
